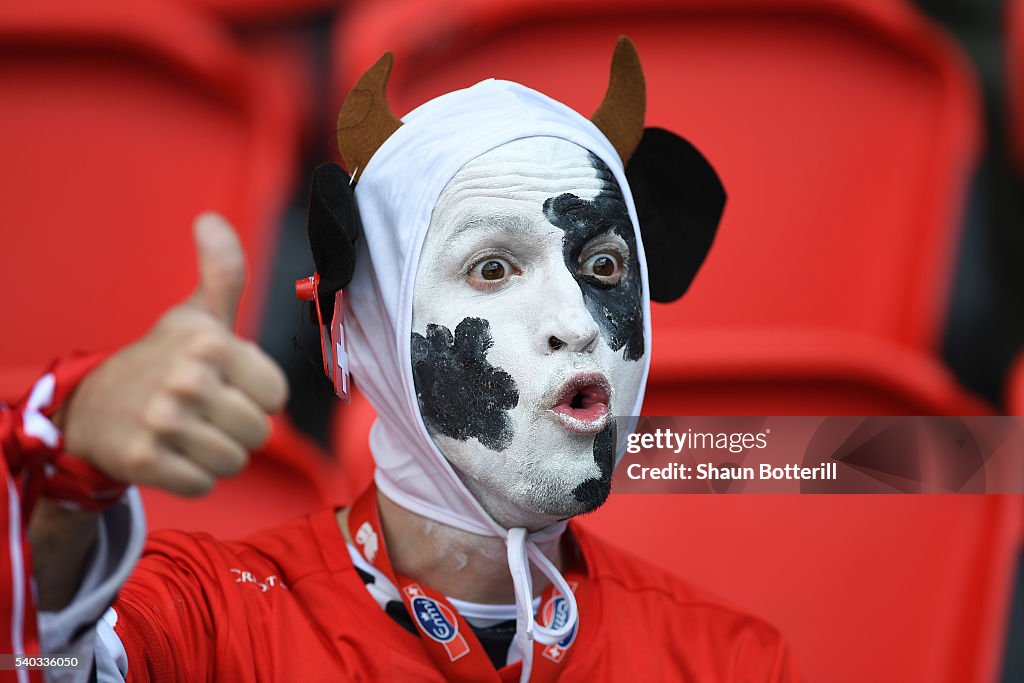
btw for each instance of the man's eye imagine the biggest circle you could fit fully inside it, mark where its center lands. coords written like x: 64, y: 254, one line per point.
x: 604, y: 266
x: 492, y: 270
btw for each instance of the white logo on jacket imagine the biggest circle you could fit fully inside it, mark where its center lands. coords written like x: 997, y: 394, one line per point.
x: 367, y: 537
x: 271, y: 581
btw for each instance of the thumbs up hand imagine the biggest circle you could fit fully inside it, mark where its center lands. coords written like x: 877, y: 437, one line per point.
x: 186, y: 403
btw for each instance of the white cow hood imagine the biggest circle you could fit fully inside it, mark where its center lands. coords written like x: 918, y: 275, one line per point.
x: 396, y: 194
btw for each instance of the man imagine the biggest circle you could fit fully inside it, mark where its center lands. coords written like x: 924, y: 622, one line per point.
x: 497, y: 295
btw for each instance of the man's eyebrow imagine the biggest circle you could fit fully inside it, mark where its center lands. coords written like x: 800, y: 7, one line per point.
x: 509, y: 222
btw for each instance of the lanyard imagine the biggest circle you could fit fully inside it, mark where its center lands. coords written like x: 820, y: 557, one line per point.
x: 445, y: 635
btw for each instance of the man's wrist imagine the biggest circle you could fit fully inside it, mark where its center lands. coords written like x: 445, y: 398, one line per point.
x: 69, y: 372
x: 59, y: 476
x: 75, y: 484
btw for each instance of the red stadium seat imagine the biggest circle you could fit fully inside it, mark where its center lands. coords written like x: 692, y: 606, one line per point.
x: 118, y: 128
x: 845, y: 132
x: 865, y: 588
x: 767, y: 372
x: 120, y: 123
x: 922, y: 583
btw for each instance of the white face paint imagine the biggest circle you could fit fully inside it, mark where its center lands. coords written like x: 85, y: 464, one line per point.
x: 528, y: 329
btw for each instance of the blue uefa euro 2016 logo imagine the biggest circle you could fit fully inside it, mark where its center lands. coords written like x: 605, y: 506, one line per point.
x: 432, y: 620
x: 560, y: 617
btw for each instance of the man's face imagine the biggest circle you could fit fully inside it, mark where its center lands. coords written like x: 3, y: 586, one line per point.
x: 528, y: 328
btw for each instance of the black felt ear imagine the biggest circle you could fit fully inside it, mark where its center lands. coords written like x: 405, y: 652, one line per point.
x: 679, y: 201
x: 333, y: 227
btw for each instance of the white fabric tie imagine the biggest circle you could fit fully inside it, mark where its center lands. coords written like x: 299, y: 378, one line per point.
x: 521, y: 550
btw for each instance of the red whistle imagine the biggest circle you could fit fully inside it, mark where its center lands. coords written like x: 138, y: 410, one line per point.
x: 305, y: 288
x: 332, y: 337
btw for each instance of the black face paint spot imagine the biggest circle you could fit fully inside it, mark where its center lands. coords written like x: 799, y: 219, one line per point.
x: 617, y: 309
x: 460, y: 394
x: 594, y: 492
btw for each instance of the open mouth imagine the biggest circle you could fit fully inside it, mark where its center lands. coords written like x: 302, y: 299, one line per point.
x: 582, y: 404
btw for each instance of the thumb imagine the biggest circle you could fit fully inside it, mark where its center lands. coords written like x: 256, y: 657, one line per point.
x: 221, y: 267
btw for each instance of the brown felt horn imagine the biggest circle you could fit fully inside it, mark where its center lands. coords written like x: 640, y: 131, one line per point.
x: 620, y: 115
x: 365, y: 120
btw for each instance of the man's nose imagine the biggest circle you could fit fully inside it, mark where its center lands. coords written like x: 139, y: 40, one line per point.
x: 565, y: 324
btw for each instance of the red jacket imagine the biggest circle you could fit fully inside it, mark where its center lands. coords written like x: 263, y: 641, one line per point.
x: 288, y: 605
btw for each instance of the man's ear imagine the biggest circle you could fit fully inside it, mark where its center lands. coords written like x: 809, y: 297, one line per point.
x: 679, y: 201
x: 333, y: 227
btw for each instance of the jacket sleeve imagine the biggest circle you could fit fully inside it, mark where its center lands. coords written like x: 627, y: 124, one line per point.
x: 166, y: 615
x: 29, y: 445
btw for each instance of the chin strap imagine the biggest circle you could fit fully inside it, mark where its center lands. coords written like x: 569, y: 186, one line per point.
x: 521, y: 550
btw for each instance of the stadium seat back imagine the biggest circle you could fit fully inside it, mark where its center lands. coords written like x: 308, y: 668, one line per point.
x: 797, y: 372
x: 865, y: 588
x: 844, y: 132
x: 118, y: 128
x: 119, y: 125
